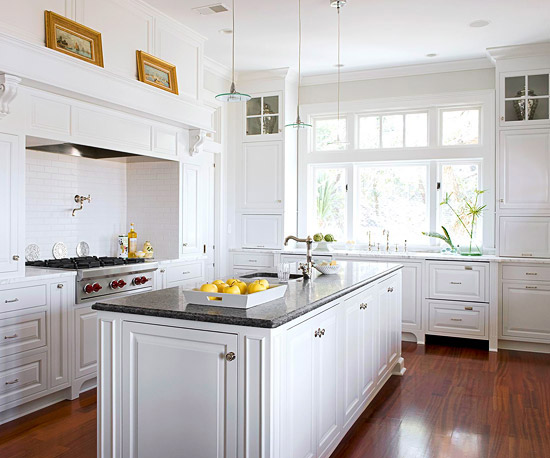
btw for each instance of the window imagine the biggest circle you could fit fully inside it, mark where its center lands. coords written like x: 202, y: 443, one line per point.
x: 393, y: 198
x: 329, y: 195
x: 460, y: 127
x: 408, y: 130
x: 326, y: 134
x: 460, y: 181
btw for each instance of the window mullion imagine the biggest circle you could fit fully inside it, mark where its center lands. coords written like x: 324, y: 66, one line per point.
x: 433, y: 196
x: 350, y: 175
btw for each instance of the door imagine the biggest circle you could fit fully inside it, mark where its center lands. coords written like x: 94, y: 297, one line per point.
x: 179, y: 392
x: 262, y: 176
x: 524, y: 237
x: 60, y: 292
x: 85, y: 325
x: 526, y: 311
x: 525, y: 170
x: 262, y: 231
x: 12, y: 205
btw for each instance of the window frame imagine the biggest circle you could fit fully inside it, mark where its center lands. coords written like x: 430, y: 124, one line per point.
x: 313, y: 121
x: 460, y: 108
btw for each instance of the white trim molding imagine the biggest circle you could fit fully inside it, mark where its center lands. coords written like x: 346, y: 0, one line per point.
x: 517, y: 51
x: 8, y: 91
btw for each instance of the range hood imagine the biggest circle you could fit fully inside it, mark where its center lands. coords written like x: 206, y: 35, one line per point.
x: 73, y: 149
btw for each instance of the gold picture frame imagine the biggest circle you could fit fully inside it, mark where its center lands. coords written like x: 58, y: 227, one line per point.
x: 73, y: 39
x: 157, y: 72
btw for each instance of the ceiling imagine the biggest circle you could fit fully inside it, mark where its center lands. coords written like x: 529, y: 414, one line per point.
x: 375, y: 33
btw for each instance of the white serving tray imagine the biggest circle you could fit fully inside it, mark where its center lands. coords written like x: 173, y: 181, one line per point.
x: 237, y: 301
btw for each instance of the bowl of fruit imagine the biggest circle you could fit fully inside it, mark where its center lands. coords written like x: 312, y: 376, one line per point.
x: 328, y: 268
x: 235, y: 293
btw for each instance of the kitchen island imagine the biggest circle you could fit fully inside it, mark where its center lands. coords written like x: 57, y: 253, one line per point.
x: 283, y: 379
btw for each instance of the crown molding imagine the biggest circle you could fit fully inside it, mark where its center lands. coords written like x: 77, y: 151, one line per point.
x: 395, y: 72
x: 518, y: 51
x: 276, y: 73
x: 216, y: 68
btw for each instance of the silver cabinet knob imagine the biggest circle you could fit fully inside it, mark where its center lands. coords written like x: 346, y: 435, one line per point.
x: 16, y: 257
x: 162, y: 271
x: 230, y: 356
x: 390, y: 289
x: 363, y: 306
x: 60, y: 285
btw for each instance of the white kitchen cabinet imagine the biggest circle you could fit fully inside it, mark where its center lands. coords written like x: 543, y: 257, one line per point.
x: 262, y: 231
x: 85, y: 342
x: 312, y: 400
x: 459, y: 319
x: 524, y: 171
x: 61, y: 295
x: 263, y: 117
x: 524, y: 236
x: 189, y: 407
x: 458, y: 281
x: 412, y: 300
x: 193, y: 208
x: 261, y: 176
x: 389, y: 317
x: 12, y: 205
x: 526, y: 311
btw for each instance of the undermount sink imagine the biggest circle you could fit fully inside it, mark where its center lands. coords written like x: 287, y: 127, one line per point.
x: 270, y: 275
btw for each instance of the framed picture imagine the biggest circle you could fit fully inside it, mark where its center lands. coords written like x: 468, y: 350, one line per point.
x: 72, y: 38
x: 156, y: 72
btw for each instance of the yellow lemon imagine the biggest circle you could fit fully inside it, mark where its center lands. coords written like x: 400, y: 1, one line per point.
x: 256, y: 287
x: 242, y: 286
x: 333, y: 263
x: 231, y: 280
x: 232, y: 290
x: 217, y: 282
x: 264, y: 282
x: 221, y: 287
x: 209, y: 288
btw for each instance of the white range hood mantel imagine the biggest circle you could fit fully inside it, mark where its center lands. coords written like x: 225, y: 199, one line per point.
x: 48, y: 70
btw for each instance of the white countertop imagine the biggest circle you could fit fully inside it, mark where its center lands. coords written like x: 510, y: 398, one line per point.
x: 38, y: 273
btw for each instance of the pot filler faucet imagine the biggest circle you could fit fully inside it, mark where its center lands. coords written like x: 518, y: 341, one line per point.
x: 308, y: 266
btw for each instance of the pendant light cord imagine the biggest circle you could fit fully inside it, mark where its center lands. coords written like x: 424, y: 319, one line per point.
x: 299, y: 56
x: 233, y: 45
x: 338, y: 65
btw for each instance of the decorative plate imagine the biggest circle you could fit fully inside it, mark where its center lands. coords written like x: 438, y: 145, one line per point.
x: 82, y: 249
x: 32, y: 252
x: 59, y: 250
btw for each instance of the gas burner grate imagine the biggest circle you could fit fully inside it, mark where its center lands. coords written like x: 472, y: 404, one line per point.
x: 84, y: 262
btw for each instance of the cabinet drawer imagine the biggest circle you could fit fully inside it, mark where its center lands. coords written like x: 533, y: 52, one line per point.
x: 253, y: 260
x: 454, y: 318
x: 22, y: 377
x: 184, y: 272
x: 20, y: 298
x: 458, y: 281
x: 528, y: 273
x: 23, y: 332
x: 526, y: 311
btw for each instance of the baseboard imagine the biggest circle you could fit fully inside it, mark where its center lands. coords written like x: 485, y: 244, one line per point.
x: 33, y: 406
x: 534, y: 347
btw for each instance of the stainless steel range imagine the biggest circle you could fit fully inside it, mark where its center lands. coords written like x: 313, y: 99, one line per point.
x: 98, y: 277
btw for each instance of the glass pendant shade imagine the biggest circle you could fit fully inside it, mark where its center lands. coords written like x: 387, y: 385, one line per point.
x: 233, y: 95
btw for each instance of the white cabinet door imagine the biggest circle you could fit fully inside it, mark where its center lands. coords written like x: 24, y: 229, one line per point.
x: 525, y: 170
x: 458, y: 281
x: 383, y: 323
x: 169, y: 410
x: 526, y: 311
x: 85, y: 326
x: 262, y: 231
x: 262, y: 176
x: 192, y: 208
x: 412, y: 300
x: 12, y: 205
x: 352, y: 322
x: 61, y: 294
x: 393, y: 289
x: 327, y: 378
x: 524, y: 237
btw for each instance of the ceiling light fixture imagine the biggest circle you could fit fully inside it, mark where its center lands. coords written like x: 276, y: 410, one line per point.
x: 233, y: 95
x: 479, y: 23
x: 299, y: 124
x: 338, y: 4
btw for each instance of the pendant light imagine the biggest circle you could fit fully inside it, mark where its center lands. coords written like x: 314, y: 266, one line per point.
x: 299, y: 124
x: 338, y: 4
x: 233, y: 95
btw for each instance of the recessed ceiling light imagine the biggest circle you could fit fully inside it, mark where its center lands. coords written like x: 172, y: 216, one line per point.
x: 225, y: 31
x: 432, y: 54
x: 479, y: 23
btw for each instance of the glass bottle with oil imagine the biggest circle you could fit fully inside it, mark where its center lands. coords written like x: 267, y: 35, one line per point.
x: 132, y: 242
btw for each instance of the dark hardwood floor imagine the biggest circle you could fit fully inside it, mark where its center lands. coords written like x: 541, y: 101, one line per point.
x: 452, y: 402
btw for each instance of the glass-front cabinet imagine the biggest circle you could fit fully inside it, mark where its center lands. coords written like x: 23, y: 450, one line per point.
x: 263, y: 119
x: 525, y: 98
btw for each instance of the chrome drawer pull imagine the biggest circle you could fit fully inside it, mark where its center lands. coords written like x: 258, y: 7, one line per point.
x: 11, y: 383
x: 185, y: 273
x: 7, y: 301
x: 467, y: 267
x: 10, y: 337
x: 468, y: 308
x: 531, y: 273
x: 530, y: 287
x: 456, y: 283
x: 252, y: 260
x: 527, y: 254
x: 456, y: 319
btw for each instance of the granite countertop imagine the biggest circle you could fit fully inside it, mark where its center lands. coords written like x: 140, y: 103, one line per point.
x: 300, y: 298
x: 38, y: 273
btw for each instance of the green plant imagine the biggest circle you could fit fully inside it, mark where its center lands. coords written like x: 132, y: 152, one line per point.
x: 326, y: 198
x: 445, y: 236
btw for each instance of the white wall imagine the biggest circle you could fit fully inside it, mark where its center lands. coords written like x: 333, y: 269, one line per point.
x: 52, y: 181
x: 153, y: 200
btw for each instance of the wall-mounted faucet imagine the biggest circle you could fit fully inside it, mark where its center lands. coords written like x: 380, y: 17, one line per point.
x: 387, y: 234
x: 80, y: 200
